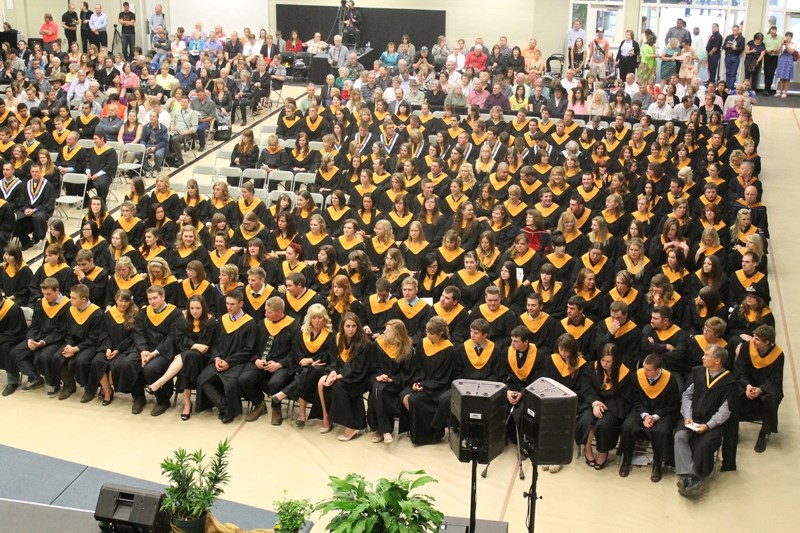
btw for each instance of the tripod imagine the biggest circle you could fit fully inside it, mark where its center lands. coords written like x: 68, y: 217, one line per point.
x: 530, y: 495
x: 338, y: 22
x: 117, y: 40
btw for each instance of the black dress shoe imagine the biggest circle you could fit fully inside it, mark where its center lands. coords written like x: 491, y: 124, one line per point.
x: 37, y: 383
x: 159, y: 409
x: 10, y: 389
x: 624, y: 470
x: 656, y: 476
x: 761, y: 443
x: 138, y: 405
x: 110, y: 399
x: 187, y: 416
x: 225, y: 418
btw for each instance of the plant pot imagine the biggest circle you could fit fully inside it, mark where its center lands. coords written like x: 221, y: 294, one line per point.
x: 195, y: 525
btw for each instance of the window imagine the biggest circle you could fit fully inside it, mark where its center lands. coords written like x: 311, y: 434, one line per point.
x: 605, y: 14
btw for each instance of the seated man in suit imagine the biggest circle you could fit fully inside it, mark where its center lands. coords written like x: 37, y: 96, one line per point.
x: 39, y: 202
x: 705, y: 407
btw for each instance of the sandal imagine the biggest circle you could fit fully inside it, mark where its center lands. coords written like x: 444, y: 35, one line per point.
x: 590, y: 462
x: 387, y: 438
x: 187, y: 416
x: 377, y: 437
x: 300, y: 422
x: 148, y: 390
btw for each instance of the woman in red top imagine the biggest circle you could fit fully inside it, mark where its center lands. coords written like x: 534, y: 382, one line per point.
x: 294, y: 44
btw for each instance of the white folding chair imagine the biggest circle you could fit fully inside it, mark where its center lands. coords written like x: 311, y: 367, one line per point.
x: 262, y: 194
x: 318, y: 199
x: 224, y: 155
x: 315, y: 145
x: 256, y: 175
x: 179, y: 186
x: 277, y: 177
x: 138, y: 151
x: 73, y: 200
x: 86, y: 143
x: 235, y: 192
x: 305, y: 178
x: 230, y: 172
x: 288, y: 143
x: 204, y: 174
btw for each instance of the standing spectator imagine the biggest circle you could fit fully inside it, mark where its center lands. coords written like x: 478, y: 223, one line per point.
x: 714, y: 51
x: 733, y: 46
x: 598, y: 53
x: 157, y: 19
x: 679, y: 32
x: 337, y: 54
x: 98, y: 25
x: 86, y: 32
x: 575, y: 33
x: 785, y: 71
x: 49, y: 32
x: 773, y: 43
x: 628, y: 55
x: 754, y: 53
x: 527, y: 54
x: 69, y: 21
x: 127, y: 19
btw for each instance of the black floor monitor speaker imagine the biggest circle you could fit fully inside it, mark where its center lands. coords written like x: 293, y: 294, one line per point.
x: 480, y: 409
x: 548, y: 421
x: 122, y: 509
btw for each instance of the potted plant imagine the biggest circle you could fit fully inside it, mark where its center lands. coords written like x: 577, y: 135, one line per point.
x: 292, y: 513
x: 388, y: 507
x: 195, y: 485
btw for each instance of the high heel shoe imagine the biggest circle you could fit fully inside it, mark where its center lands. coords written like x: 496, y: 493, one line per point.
x: 110, y: 399
x: 187, y: 416
x: 353, y: 435
x: 324, y: 430
x: 148, y: 390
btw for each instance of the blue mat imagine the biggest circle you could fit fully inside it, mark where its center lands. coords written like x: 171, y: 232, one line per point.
x: 36, y: 478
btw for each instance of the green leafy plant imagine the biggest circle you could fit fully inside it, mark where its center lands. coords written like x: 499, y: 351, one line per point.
x: 195, y: 483
x: 387, y: 507
x: 292, y: 513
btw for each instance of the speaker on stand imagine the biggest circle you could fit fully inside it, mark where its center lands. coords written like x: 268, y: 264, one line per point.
x: 480, y: 409
x: 548, y: 430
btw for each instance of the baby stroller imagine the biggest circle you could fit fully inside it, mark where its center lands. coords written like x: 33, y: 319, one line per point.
x: 554, y: 67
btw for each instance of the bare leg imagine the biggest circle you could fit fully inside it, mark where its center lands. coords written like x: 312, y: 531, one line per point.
x: 187, y: 401
x: 320, y: 393
x: 172, y: 371
x: 302, y: 405
x: 406, y: 402
x: 587, y: 448
x: 105, y: 384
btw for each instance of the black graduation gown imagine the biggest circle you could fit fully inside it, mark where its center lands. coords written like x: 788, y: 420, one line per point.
x: 472, y: 287
x: 16, y: 283
x: 544, y: 330
x: 235, y: 345
x: 435, y: 366
x: 321, y: 348
x: 501, y: 322
x: 113, y: 336
x: 457, y: 319
x: 414, y: 317
x: 345, y: 397
x: 616, y: 399
x: 383, y: 403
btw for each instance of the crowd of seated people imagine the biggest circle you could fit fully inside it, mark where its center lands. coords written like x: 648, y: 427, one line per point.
x: 624, y: 258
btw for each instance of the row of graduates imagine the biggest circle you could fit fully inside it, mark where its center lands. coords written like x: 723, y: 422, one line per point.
x: 73, y: 342
x: 101, y: 160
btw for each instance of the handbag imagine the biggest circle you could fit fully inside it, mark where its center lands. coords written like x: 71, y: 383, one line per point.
x: 795, y: 55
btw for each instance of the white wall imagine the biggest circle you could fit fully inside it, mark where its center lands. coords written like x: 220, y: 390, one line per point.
x: 233, y: 15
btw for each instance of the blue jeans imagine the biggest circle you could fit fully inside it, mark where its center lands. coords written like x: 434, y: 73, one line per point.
x: 202, y: 127
x: 731, y: 69
x: 713, y: 67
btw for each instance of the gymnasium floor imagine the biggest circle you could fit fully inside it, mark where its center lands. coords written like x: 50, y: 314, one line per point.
x: 268, y: 460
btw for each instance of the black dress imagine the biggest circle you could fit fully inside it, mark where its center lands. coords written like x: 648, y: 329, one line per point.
x: 194, y: 361
x: 608, y: 427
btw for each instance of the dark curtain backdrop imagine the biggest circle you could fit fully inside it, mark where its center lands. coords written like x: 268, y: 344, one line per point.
x: 380, y: 25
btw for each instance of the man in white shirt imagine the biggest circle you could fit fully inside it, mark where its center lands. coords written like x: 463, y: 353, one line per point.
x: 683, y: 111
x: 453, y: 75
x: 316, y: 46
x: 631, y: 87
x: 575, y: 33
x: 457, y: 57
x: 569, y: 82
x: 659, y: 110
